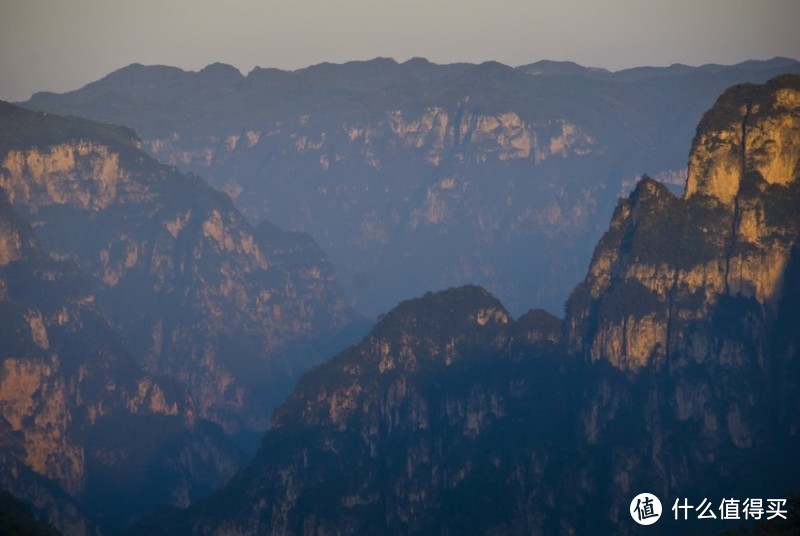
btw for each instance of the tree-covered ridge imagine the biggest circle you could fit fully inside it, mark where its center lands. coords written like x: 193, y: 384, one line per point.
x: 23, y: 129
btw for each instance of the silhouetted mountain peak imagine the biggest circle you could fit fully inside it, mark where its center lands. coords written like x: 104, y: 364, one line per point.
x: 220, y: 69
x: 778, y: 62
x: 453, y: 309
x: 492, y: 67
x: 559, y: 68
x: 137, y: 74
x: 417, y: 61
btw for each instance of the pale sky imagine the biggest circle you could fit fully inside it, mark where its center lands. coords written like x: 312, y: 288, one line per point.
x: 60, y: 45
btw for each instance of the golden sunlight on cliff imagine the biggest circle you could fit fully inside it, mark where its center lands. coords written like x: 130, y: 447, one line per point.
x: 773, y: 146
x: 84, y: 174
x: 33, y: 401
x: 715, y: 166
x: 766, y: 140
x: 10, y: 245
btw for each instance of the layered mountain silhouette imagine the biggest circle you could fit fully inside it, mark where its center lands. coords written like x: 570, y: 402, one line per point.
x: 416, y: 176
x: 675, y: 371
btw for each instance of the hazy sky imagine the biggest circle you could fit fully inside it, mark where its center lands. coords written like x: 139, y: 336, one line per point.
x: 59, y: 45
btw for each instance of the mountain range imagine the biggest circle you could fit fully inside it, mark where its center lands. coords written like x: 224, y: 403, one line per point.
x: 415, y: 176
x: 149, y: 329
x: 675, y: 371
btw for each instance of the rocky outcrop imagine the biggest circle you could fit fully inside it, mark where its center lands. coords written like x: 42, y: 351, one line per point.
x: 503, y: 136
x: 667, y: 263
x: 200, y: 296
x: 748, y: 131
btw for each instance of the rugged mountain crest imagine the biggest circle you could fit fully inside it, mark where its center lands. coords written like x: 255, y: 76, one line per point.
x: 416, y: 337
x: 401, y: 410
x: 64, y: 376
x: 682, y: 377
x: 199, y: 294
x: 749, y: 130
x: 667, y: 263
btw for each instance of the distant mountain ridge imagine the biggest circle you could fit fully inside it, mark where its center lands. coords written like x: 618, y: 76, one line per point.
x: 675, y: 371
x: 562, y: 68
x: 415, y: 176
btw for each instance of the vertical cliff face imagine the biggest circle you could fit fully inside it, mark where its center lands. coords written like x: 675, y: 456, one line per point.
x: 33, y: 392
x: 667, y: 263
x: 678, y: 373
x: 202, y: 297
x: 693, y: 297
x: 64, y: 376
